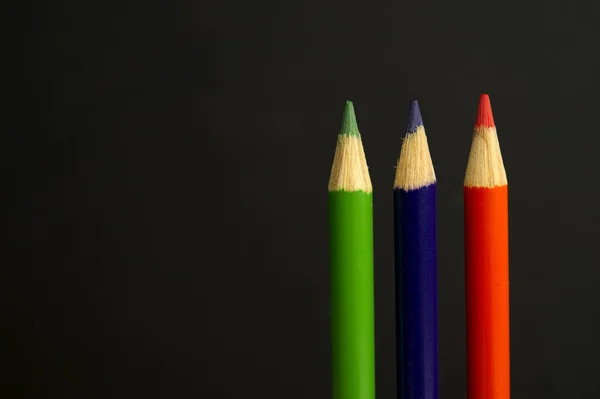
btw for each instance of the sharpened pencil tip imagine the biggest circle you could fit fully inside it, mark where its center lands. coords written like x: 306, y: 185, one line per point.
x: 414, y: 117
x: 484, y: 115
x: 349, y: 125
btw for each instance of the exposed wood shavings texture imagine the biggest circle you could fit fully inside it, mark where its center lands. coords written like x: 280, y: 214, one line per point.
x: 350, y: 171
x: 415, y: 168
x: 485, y: 167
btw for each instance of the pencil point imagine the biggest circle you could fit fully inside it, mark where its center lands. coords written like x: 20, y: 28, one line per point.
x: 485, y: 167
x: 414, y: 117
x: 484, y: 115
x: 349, y: 125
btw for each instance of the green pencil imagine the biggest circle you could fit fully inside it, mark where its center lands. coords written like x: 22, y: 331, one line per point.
x: 351, y: 262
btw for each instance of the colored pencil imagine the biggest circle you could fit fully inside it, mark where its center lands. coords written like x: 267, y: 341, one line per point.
x: 351, y: 263
x: 486, y: 263
x: 416, y: 265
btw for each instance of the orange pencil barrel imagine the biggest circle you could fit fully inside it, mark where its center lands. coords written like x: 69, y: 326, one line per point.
x: 486, y: 263
x: 488, y: 342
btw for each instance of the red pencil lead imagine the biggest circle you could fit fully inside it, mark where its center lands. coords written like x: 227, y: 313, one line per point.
x: 485, y: 118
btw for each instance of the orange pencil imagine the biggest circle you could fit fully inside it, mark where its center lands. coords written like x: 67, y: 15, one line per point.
x: 486, y: 268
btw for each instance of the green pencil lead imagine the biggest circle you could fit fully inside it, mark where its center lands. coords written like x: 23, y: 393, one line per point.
x: 349, y: 125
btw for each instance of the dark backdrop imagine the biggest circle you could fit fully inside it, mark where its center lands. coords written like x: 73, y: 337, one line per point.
x: 167, y: 175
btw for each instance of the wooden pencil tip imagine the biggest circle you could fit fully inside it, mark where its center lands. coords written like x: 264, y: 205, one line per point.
x: 485, y: 118
x: 414, y: 117
x: 349, y: 125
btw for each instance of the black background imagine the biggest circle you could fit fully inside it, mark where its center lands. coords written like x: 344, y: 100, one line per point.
x: 167, y: 174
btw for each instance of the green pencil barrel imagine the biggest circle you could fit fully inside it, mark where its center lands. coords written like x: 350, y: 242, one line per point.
x: 352, y: 297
